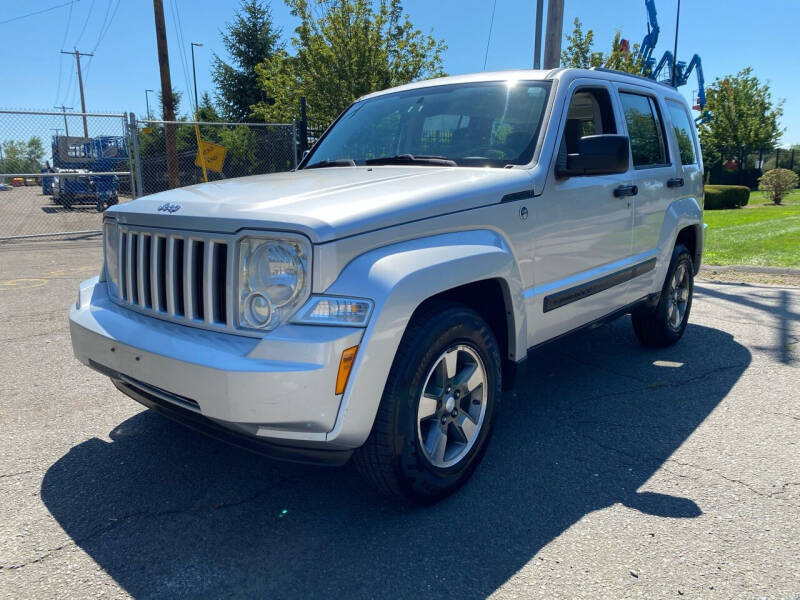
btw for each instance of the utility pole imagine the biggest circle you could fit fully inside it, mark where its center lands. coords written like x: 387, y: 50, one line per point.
x: 80, y: 85
x: 194, y: 76
x: 200, y: 151
x: 675, y: 53
x: 166, y: 95
x: 64, y: 110
x: 537, y: 37
x: 552, y: 42
x: 147, y: 103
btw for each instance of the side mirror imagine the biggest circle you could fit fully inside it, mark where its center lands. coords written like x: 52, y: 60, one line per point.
x: 597, y: 155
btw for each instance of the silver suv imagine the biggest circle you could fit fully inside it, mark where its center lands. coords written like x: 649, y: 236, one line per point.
x: 374, y: 302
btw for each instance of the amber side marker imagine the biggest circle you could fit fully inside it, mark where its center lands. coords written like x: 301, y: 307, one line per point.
x: 345, y: 365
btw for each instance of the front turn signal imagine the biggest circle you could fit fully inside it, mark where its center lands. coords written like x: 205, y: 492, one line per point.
x: 345, y: 366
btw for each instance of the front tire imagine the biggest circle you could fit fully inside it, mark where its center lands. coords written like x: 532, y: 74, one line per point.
x: 437, y: 410
x: 664, y: 324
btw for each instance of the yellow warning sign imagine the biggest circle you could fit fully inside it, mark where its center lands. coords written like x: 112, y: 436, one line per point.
x: 214, y: 156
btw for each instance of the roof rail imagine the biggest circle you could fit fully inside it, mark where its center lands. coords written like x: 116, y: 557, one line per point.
x: 626, y: 74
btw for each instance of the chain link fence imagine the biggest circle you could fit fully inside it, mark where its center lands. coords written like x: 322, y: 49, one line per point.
x: 60, y: 170
x: 229, y: 150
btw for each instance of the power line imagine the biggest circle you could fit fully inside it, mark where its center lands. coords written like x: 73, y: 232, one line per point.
x: 83, y: 30
x: 489, y: 39
x: 184, y: 62
x: 61, y: 56
x: 38, y: 12
x: 102, y: 35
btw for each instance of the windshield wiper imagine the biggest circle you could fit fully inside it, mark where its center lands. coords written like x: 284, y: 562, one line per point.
x: 336, y: 162
x: 412, y: 159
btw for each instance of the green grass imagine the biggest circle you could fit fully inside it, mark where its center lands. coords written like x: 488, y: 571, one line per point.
x: 759, y: 234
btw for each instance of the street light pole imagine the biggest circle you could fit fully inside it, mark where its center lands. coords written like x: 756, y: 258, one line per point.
x: 147, y: 102
x: 194, y: 75
x: 675, y: 52
x: 200, y: 150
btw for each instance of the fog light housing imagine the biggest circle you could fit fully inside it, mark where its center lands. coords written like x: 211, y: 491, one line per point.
x: 257, y: 310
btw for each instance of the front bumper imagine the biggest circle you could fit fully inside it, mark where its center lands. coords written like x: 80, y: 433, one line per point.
x: 279, y: 389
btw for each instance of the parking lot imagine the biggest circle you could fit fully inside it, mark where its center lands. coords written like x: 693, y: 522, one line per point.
x: 614, y: 472
x: 26, y: 211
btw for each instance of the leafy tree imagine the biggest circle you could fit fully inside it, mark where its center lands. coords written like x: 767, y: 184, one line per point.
x: 343, y: 50
x: 22, y: 157
x: 177, y: 96
x: 579, y: 52
x: 251, y: 39
x: 206, y: 110
x: 777, y: 184
x: 744, y: 118
x: 622, y: 57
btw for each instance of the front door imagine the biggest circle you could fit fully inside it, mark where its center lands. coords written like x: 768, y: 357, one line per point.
x: 581, y: 228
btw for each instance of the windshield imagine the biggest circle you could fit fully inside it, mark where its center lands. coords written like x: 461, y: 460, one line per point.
x: 472, y: 124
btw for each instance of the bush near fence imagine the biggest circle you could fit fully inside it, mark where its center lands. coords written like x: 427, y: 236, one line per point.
x: 718, y: 197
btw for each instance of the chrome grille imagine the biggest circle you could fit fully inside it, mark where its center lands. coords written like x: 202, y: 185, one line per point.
x: 177, y: 276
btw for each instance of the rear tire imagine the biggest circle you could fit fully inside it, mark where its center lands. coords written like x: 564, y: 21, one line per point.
x: 437, y: 411
x: 664, y: 324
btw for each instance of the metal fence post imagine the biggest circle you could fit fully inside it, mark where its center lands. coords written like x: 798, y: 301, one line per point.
x: 294, y: 142
x: 303, y: 125
x: 137, y: 159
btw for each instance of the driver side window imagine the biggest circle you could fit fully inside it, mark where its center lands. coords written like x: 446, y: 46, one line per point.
x: 590, y: 113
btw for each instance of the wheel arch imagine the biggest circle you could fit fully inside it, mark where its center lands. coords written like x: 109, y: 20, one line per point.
x: 400, y: 278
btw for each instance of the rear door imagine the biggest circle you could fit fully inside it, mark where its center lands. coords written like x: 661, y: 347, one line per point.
x: 655, y: 174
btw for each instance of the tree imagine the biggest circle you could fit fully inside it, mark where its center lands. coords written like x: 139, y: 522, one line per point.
x: 579, y: 52
x: 777, y: 183
x: 22, y: 157
x: 251, y: 39
x: 744, y: 118
x: 343, y: 50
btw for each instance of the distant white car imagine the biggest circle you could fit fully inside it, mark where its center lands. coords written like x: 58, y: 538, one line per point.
x: 374, y: 302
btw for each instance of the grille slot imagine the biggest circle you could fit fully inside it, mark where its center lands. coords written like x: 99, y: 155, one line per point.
x: 183, y: 277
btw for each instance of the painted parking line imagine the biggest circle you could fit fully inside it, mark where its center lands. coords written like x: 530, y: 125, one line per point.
x: 34, y: 282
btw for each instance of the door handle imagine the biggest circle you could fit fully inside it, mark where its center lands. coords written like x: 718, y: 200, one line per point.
x: 626, y: 190
x: 675, y: 182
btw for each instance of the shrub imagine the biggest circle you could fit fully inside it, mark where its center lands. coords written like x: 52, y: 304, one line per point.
x: 777, y: 183
x: 726, y: 196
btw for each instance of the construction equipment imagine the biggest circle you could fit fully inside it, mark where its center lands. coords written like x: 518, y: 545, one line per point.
x: 682, y: 71
x: 83, y: 170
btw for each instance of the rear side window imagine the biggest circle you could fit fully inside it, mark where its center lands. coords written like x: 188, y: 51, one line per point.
x: 648, y: 147
x: 683, y: 132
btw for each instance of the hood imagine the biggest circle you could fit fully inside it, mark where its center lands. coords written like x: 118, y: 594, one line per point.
x: 325, y: 204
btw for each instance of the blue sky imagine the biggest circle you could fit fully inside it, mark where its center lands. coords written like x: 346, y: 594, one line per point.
x: 728, y: 36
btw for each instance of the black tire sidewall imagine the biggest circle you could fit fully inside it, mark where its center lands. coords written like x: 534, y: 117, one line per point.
x: 679, y: 255
x: 453, y: 326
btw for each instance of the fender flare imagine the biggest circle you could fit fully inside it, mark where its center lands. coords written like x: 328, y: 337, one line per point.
x: 680, y: 214
x: 400, y: 277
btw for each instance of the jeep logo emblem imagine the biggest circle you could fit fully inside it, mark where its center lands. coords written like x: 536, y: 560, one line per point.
x: 169, y: 208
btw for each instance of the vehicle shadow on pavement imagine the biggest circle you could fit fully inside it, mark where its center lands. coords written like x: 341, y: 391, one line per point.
x: 772, y: 302
x: 167, y: 512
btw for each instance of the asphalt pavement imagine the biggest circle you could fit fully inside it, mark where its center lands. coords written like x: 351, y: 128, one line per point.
x: 614, y: 472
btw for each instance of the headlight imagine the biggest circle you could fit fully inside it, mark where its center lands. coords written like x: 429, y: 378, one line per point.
x: 335, y: 310
x: 111, y: 255
x: 274, y: 280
